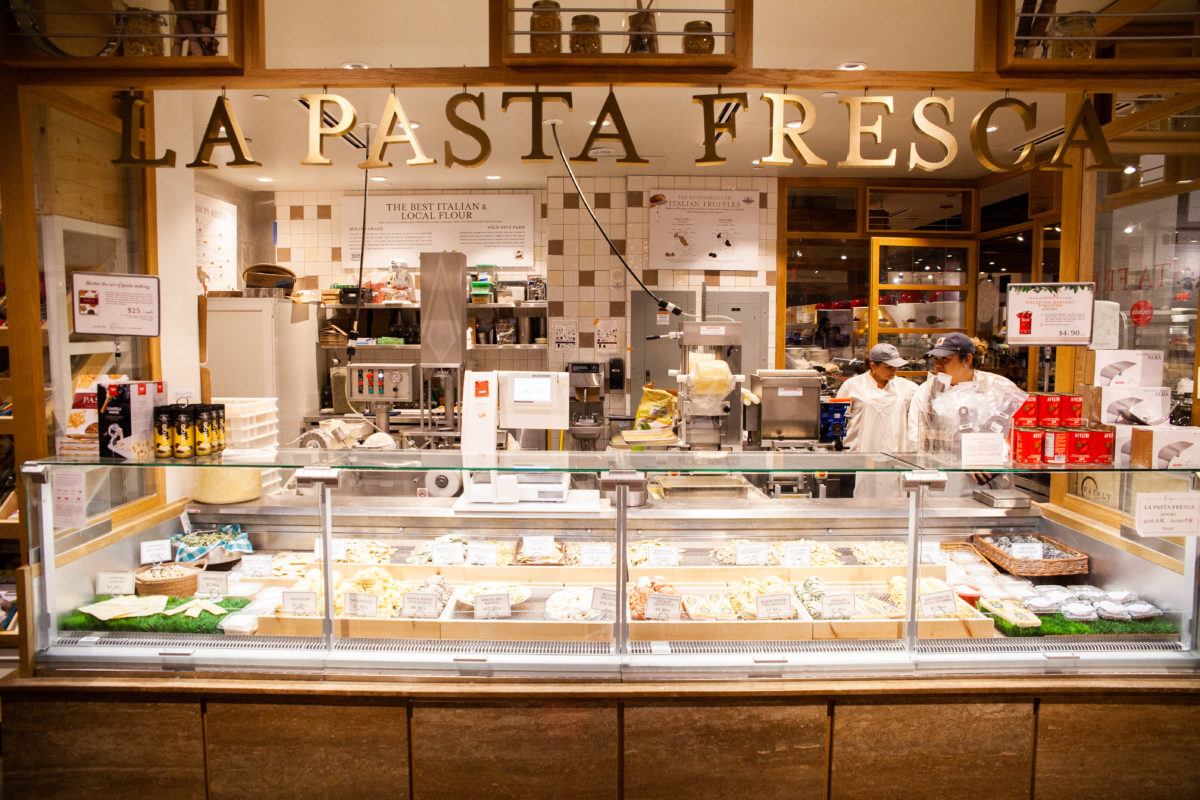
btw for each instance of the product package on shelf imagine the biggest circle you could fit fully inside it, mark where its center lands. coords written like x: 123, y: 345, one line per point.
x: 1123, y: 368
x: 1164, y: 446
x: 126, y: 418
x: 1126, y: 405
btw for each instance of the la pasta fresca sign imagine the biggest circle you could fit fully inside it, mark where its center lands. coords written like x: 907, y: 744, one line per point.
x: 791, y: 117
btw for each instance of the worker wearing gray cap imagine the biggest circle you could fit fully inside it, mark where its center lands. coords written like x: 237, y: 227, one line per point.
x: 878, y: 416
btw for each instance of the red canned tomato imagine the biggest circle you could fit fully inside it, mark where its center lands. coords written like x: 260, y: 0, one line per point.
x: 1027, y: 414
x: 1027, y: 445
x: 1079, y: 446
x: 1072, y: 410
x: 1054, y: 446
x: 1049, y: 410
x: 1103, y: 441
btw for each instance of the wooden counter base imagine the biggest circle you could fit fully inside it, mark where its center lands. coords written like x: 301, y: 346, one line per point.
x: 184, y: 737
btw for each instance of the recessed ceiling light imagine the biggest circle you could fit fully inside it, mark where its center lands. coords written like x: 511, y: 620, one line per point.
x: 262, y: 97
x: 1130, y: 169
x: 793, y: 124
x: 355, y: 65
x: 852, y: 66
x: 378, y: 178
x: 843, y: 257
x: 1020, y: 238
x: 493, y: 177
x: 829, y: 94
x: 607, y: 122
x: 756, y: 162
x: 992, y: 128
x: 414, y: 124
x: 266, y: 180
x: 1129, y: 229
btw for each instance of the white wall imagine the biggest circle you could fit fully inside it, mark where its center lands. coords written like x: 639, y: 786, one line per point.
x: 176, y: 209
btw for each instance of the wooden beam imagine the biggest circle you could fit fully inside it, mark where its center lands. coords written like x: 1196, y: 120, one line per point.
x: 1106, y: 25
x: 985, y: 35
x: 1131, y: 122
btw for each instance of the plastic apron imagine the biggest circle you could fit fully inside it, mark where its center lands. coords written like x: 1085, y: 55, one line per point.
x: 879, y: 423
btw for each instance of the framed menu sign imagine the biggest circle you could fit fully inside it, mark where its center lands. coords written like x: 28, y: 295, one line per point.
x: 1050, y: 313
x: 115, y: 304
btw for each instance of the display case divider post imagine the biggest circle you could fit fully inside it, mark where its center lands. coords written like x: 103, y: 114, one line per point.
x: 38, y: 476
x: 915, y: 483
x: 621, y: 625
x: 324, y: 479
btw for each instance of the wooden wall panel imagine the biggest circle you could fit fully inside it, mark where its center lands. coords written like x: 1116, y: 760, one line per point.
x: 80, y: 749
x: 307, y: 751
x: 74, y: 174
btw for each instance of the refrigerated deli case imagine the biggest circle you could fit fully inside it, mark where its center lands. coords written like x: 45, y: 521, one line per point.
x: 657, y: 600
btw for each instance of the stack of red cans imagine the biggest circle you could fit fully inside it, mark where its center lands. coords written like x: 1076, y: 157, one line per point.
x: 1049, y: 429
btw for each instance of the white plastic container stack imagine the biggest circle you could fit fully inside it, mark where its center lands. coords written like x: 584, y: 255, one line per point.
x: 252, y: 423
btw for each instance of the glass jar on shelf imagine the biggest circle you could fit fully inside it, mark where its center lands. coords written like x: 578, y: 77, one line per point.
x: 546, y: 23
x: 585, y: 34
x: 1069, y: 40
x: 698, y: 38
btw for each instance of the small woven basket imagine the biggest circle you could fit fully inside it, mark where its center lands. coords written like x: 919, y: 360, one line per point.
x: 184, y: 586
x: 1077, y: 564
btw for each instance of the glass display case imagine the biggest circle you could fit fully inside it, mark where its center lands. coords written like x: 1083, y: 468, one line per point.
x: 603, y: 565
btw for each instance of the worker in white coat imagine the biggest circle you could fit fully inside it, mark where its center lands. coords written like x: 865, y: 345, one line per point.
x: 953, y: 363
x: 878, y: 419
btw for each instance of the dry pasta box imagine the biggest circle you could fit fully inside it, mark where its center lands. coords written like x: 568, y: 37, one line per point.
x: 1165, y: 446
x: 1126, y: 405
x: 1123, y: 367
x: 126, y: 418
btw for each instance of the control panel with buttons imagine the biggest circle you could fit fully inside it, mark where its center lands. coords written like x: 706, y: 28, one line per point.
x: 380, y: 382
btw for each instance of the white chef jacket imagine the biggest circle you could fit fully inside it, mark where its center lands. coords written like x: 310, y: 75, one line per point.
x: 877, y: 424
x: 959, y: 484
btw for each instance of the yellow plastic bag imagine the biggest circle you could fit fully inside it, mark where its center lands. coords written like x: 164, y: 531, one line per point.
x: 657, y: 409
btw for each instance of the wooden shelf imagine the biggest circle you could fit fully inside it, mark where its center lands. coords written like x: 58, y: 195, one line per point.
x: 9, y: 638
x: 12, y: 529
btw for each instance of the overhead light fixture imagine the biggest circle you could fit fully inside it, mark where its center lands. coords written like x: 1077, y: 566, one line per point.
x: 991, y: 263
x: 1130, y: 169
x: 852, y: 66
x: 1185, y: 180
x: 993, y: 128
x: 266, y: 180
x: 414, y: 124
x: 1003, y: 269
x: 493, y: 177
x: 793, y: 124
x: 355, y: 65
x: 843, y: 256
x: 1020, y: 238
x: 756, y: 162
x: 829, y: 95
x: 1058, y: 229
x: 262, y: 97
x: 378, y: 178
x: 1129, y: 229
x: 607, y: 122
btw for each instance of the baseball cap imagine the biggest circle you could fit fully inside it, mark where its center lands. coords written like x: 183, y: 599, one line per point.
x: 952, y: 343
x: 886, y: 354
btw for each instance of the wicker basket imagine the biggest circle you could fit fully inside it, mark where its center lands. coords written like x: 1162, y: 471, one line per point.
x: 949, y: 547
x: 184, y: 586
x: 1077, y: 564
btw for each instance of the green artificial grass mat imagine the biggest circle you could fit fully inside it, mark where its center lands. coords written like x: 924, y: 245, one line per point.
x: 1058, y: 625
x: 155, y: 623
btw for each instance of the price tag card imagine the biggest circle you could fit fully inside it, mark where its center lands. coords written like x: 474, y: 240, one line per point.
x: 1025, y: 550
x: 156, y: 551
x: 664, y: 606
x: 750, y: 553
x: 484, y: 553
x: 115, y: 304
x: 1167, y: 514
x: 773, y: 606
x: 666, y: 556
x: 984, y: 450
x: 114, y: 583
x: 257, y: 565
x: 605, y: 601
x: 300, y: 604
x: 1050, y: 313
x: 448, y: 553
x: 539, y: 547
x: 931, y: 553
x: 337, y: 549
x: 185, y: 522
x: 210, y: 583
x: 493, y: 606
x: 797, y: 555
x: 596, y: 554
x: 939, y: 604
x: 837, y: 605
x: 419, y: 604
x: 68, y: 491
x: 361, y: 604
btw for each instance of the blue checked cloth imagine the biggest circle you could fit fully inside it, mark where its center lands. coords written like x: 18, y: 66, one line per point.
x: 236, y: 543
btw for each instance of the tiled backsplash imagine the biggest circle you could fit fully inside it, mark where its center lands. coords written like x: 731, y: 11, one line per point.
x: 586, y: 282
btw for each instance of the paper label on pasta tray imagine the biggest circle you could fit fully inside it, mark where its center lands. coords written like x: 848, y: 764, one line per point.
x: 750, y: 553
x: 361, y: 604
x: 773, y: 606
x: 712, y: 330
x: 797, y: 555
x: 837, y: 605
x: 1025, y: 550
x: 492, y: 606
x: 931, y: 553
x: 114, y: 583
x: 484, y: 553
x: 209, y: 583
x: 664, y: 606
x: 539, y: 546
x: 448, y: 553
x: 299, y: 604
x: 939, y: 604
x: 596, y: 555
x: 257, y: 566
x: 419, y: 604
x: 666, y: 556
x: 605, y: 601
x: 156, y: 551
